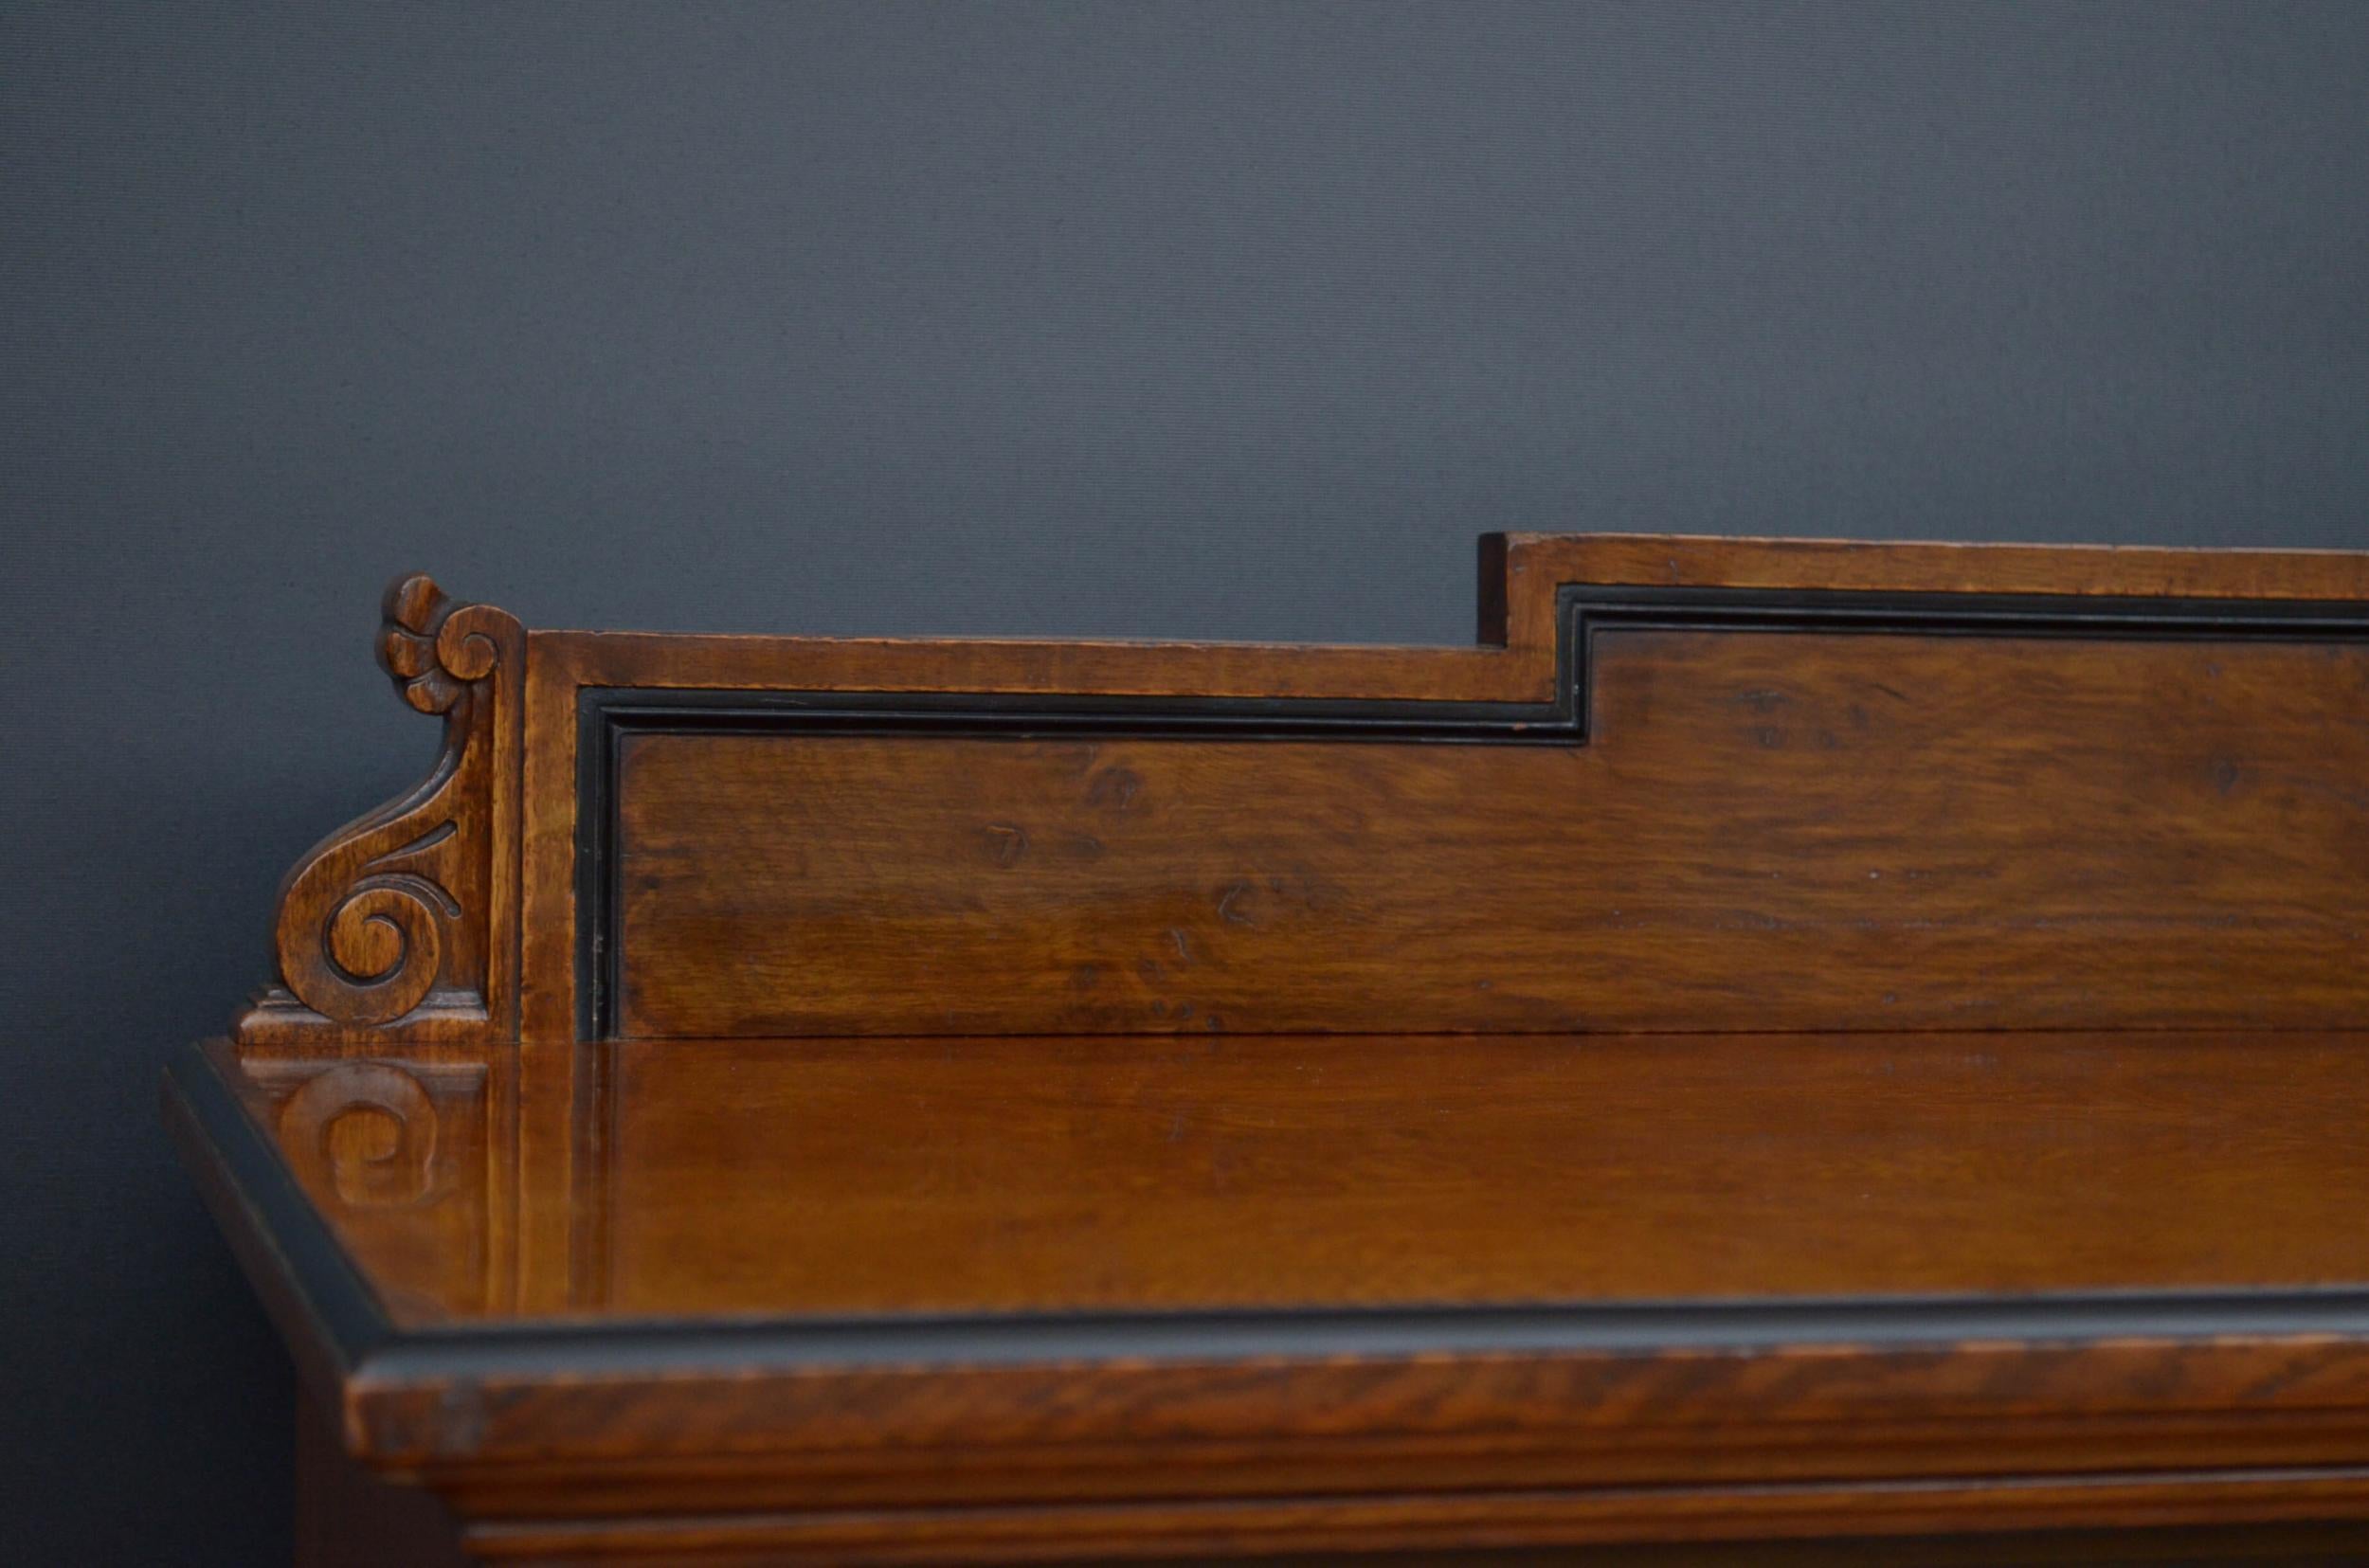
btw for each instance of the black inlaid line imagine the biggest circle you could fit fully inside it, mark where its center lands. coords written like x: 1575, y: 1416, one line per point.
x: 341, y: 1314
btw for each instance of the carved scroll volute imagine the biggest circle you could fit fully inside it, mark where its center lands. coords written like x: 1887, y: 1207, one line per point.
x: 405, y: 920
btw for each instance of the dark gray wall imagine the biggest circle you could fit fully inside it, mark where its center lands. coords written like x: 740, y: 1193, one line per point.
x: 1203, y: 320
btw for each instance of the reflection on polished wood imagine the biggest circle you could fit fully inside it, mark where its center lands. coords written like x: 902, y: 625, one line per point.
x: 1061, y: 1173
x: 1782, y: 1052
x: 402, y: 1156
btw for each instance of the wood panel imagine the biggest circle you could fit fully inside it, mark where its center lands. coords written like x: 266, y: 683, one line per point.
x: 1519, y: 582
x: 1081, y: 1173
x: 1764, y: 830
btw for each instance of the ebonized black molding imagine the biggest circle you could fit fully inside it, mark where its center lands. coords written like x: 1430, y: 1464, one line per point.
x: 607, y: 714
x: 323, y: 1305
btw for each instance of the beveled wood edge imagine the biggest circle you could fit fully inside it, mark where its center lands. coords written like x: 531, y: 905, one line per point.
x: 315, y: 1294
x: 477, y: 1390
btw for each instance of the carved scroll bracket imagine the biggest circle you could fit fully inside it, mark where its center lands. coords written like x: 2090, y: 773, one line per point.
x: 408, y: 917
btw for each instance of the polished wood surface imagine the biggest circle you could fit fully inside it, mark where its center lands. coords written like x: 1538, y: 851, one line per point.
x: 1063, y: 1174
x: 950, y: 1300
x: 1779, y: 1043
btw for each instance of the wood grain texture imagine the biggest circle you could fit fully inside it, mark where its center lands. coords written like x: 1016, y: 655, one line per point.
x: 1765, y: 830
x: 1520, y: 577
x: 1071, y: 1173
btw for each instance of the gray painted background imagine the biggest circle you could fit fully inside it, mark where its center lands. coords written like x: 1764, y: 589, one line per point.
x: 1190, y: 320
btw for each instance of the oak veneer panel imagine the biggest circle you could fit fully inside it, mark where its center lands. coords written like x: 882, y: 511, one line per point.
x: 1070, y: 1172
x: 1764, y: 830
